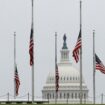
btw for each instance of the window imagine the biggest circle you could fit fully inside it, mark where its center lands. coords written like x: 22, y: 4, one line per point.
x: 47, y: 95
x: 64, y: 95
x: 72, y: 95
x: 64, y: 78
x: 84, y: 96
x: 61, y: 78
x: 78, y: 78
x: 50, y: 96
x: 68, y: 95
x: 53, y: 95
x: 70, y: 78
x: 60, y: 95
x: 52, y: 78
x: 64, y: 55
x: 75, y: 95
x: 79, y: 96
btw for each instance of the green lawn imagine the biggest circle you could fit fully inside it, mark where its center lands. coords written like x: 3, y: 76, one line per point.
x: 44, y: 104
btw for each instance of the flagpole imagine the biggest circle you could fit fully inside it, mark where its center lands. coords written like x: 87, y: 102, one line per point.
x: 14, y: 62
x: 55, y: 65
x: 93, y: 66
x: 81, y: 53
x: 33, y: 53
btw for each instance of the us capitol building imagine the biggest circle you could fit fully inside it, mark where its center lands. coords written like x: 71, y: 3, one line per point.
x: 69, y: 81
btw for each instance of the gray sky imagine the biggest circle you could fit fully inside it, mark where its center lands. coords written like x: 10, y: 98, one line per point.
x: 50, y: 16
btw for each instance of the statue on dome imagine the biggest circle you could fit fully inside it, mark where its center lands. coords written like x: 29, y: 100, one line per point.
x: 64, y: 38
x: 64, y: 43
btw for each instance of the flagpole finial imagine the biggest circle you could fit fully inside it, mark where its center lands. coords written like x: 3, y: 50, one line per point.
x: 14, y: 33
x: 93, y: 32
x: 55, y: 33
x: 80, y: 1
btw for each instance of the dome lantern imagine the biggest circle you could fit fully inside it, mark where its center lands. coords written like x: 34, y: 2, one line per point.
x: 64, y: 51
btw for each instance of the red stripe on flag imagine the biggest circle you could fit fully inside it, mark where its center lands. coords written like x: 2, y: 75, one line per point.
x: 17, y: 81
x: 99, y: 64
x: 57, y: 78
x: 31, y: 48
x: 76, y: 50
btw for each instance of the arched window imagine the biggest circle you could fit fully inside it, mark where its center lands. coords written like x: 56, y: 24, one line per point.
x: 79, y: 95
x: 64, y: 55
x: 84, y: 96
x: 68, y: 95
x: 47, y: 95
x: 75, y: 95
x: 60, y: 95
x: 64, y: 78
x: 53, y: 95
x: 70, y: 78
x: 50, y: 96
x: 72, y: 96
x: 64, y: 96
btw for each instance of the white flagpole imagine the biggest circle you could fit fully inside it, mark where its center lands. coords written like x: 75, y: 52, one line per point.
x: 93, y: 66
x: 14, y: 62
x: 33, y: 53
x: 55, y: 65
x: 81, y: 53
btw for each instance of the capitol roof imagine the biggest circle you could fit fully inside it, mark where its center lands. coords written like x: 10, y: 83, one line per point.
x: 68, y: 78
x: 67, y: 72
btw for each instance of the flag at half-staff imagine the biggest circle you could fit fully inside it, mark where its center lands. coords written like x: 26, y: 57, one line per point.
x: 31, y: 45
x: 99, y: 64
x: 57, y: 78
x: 17, y: 81
x: 76, y: 50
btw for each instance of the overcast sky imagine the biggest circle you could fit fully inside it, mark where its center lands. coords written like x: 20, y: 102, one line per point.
x: 50, y: 16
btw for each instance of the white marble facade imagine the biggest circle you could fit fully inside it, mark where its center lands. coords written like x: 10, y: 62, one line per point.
x: 69, y: 82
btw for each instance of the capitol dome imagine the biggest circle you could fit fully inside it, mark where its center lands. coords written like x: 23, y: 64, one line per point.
x: 69, y: 82
x: 67, y: 74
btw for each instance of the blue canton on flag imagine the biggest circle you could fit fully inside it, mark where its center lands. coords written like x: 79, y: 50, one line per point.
x: 99, y: 64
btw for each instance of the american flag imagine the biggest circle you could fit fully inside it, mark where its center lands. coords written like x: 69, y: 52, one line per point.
x: 76, y: 50
x: 31, y: 47
x: 57, y: 78
x: 99, y: 64
x: 17, y: 81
